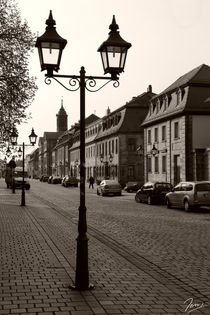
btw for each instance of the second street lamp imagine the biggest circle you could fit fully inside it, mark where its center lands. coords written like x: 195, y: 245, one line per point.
x: 106, y: 165
x: 32, y: 138
x: 113, y: 51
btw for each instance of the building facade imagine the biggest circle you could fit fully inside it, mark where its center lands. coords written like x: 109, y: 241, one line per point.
x: 47, y: 154
x: 176, y: 130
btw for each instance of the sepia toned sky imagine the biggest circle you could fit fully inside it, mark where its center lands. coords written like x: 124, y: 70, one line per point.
x: 168, y: 37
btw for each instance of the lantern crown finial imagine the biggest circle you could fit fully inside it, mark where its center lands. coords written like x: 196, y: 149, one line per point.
x: 50, y: 21
x: 114, y: 26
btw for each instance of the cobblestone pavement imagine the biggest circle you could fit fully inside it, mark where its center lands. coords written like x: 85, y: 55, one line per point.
x: 37, y: 259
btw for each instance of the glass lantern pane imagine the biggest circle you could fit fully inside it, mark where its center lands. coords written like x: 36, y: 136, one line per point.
x: 122, y: 60
x: 114, y: 59
x: 104, y: 59
x: 50, y: 52
x: 32, y: 139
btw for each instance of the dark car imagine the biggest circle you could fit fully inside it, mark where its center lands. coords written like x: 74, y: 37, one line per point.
x: 70, y: 181
x: 45, y: 178
x: 132, y: 186
x: 56, y: 180
x: 153, y: 192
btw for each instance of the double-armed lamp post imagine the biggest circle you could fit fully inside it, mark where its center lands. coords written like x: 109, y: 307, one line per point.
x: 13, y: 139
x: 113, y: 53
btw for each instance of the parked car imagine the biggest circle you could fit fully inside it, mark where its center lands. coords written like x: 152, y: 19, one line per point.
x: 132, y: 186
x: 56, y: 180
x: 69, y: 181
x: 50, y: 180
x: 45, y: 178
x: 189, y: 195
x: 153, y: 192
x: 108, y: 186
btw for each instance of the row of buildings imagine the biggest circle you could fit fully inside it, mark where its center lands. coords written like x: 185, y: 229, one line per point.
x: 152, y: 137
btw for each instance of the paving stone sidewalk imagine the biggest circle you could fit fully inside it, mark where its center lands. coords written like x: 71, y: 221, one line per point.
x: 36, y: 270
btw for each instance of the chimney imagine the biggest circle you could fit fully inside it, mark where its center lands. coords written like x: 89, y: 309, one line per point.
x: 149, y: 89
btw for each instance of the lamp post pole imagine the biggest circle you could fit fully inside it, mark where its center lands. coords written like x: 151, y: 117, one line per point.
x: 113, y: 53
x: 82, y: 274
x: 23, y: 202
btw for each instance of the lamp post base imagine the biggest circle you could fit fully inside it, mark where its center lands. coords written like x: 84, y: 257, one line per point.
x: 90, y: 287
x: 23, y: 198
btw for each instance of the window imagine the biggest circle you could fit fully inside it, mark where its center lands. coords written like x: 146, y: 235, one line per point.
x: 178, y: 94
x: 156, y: 134
x: 176, y: 130
x: 131, y: 144
x: 163, y: 133
x: 116, y: 146
x: 149, y: 137
x: 130, y: 171
x: 164, y: 164
x: 149, y: 164
x: 156, y: 164
x: 105, y: 148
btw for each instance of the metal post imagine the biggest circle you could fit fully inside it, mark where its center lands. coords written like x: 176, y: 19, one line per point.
x: 23, y: 186
x: 82, y: 275
x: 13, y: 182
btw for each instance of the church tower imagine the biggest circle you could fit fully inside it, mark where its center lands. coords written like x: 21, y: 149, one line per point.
x: 62, y: 117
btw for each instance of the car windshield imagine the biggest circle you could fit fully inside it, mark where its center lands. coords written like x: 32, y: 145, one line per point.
x: 203, y: 187
x: 163, y: 186
x: 111, y: 182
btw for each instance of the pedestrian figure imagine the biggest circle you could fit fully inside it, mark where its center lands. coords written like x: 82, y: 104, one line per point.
x: 91, y: 182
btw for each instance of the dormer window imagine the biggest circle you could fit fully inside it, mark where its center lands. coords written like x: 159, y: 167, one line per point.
x: 182, y: 93
x: 165, y: 101
x: 178, y: 96
x: 160, y: 103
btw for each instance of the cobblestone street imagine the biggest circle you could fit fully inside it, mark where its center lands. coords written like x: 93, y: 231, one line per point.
x: 138, y: 259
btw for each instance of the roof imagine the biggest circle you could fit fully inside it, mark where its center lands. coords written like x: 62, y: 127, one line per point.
x: 194, y: 87
x: 200, y: 74
x: 91, y: 119
x: 119, y: 121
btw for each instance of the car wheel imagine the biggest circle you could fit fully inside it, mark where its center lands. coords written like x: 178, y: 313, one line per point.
x: 149, y: 200
x: 137, y: 198
x: 186, y: 205
x: 168, y: 203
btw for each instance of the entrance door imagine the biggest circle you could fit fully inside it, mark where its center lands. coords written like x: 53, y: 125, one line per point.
x: 177, y: 168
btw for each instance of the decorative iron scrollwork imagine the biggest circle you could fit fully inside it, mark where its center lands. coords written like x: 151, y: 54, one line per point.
x: 90, y: 83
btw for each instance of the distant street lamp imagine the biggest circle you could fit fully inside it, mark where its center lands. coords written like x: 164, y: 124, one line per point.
x: 154, y: 150
x: 13, y: 139
x: 8, y: 152
x: 113, y: 53
x: 106, y: 164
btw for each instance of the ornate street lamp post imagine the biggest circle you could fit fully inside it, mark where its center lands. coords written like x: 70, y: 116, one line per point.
x: 154, y: 150
x: 32, y: 138
x: 113, y: 53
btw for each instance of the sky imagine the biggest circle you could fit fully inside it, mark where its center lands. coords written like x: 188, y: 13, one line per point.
x: 168, y: 37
